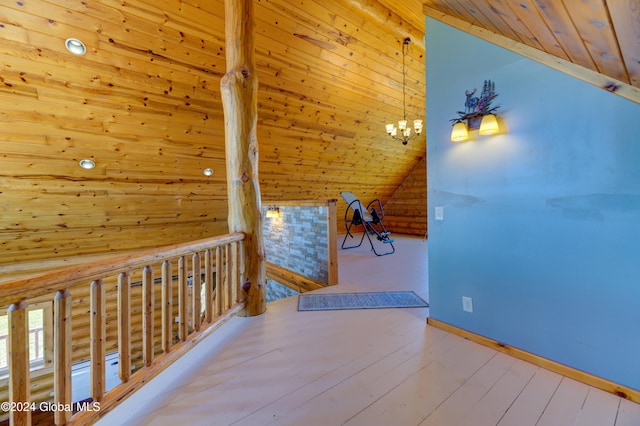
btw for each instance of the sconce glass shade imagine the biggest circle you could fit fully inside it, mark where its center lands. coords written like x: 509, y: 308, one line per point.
x: 459, y: 132
x: 391, y: 129
x: 273, y: 212
x: 489, y: 125
x: 417, y: 126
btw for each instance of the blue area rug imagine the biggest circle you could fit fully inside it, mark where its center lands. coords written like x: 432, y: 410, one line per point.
x: 372, y: 300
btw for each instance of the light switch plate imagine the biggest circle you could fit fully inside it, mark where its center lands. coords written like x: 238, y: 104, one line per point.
x: 467, y: 304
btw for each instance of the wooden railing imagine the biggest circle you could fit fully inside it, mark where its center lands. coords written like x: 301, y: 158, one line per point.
x: 208, y: 294
x: 35, y: 336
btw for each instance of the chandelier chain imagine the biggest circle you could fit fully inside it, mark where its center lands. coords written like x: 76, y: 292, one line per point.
x: 404, y: 80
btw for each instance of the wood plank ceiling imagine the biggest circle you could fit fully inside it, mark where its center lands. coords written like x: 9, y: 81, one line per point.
x: 600, y: 36
x: 144, y: 104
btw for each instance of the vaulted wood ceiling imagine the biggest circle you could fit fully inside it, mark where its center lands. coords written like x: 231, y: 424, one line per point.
x: 600, y: 37
x: 144, y: 103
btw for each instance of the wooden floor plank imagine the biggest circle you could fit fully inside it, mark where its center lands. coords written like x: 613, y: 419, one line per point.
x: 599, y: 409
x: 628, y: 413
x: 456, y: 406
x: 565, y: 404
x: 531, y: 402
x: 349, y: 394
x: 415, y: 398
x: 496, y: 402
x: 376, y: 362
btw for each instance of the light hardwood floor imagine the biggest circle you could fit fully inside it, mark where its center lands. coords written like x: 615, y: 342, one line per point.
x: 362, y: 367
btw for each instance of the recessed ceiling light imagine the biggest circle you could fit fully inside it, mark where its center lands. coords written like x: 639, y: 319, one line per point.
x: 75, y: 46
x: 87, y: 164
x: 208, y: 171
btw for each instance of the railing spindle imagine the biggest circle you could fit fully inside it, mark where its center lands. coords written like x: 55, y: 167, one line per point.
x: 62, y: 355
x: 196, y: 305
x: 241, y: 268
x: 219, y: 273
x: 208, y: 290
x: 233, y: 272
x: 182, y: 298
x: 167, y: 307
x: 124, y: 326
x: 19, y: 392
x: 228, y: 276
x: 147, y: 315
x: 98, y: 335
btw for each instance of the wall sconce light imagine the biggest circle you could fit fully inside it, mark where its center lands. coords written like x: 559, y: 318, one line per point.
x: 478, y: 114
x: 273, y: 212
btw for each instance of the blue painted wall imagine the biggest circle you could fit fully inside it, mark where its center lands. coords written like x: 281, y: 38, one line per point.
x: 542, y: 223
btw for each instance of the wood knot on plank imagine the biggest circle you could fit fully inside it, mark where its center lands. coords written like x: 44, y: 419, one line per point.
x: 611, y: 87
x: 246, y: 286
x: 244, y: 178
x: 622, y: 394
x: 245, y: 73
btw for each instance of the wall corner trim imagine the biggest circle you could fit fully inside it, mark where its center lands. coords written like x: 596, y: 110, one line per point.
x: 573, y: 373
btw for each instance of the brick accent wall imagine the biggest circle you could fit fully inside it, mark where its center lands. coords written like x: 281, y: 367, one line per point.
x: 298, y: 240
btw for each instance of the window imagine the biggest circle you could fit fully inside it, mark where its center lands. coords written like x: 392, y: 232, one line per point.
x: 40, y: 321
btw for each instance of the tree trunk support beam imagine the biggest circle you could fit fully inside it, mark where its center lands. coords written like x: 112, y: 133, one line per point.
x: 239, y: 89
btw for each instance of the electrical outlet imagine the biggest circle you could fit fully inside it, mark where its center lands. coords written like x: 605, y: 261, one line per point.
x: 467, y: 304
x: 439, y: 213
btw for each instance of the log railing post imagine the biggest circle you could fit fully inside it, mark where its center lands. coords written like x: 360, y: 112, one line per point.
x: 219, y: 282
x: 228, y: 277
x: 235, y: 273
x: 332, y: 242
x: 167, y: 307
x: 147, y: 315
x: 97, y: 340
x: 196, y: 302
x: 239, y: 88
x: 124, y: 326
x: 62, y: 355
x: 182, y: 298
x: 208, y: 282
x: 19, y: 387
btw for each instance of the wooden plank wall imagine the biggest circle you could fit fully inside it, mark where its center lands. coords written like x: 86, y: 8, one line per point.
x: 144, y: 104
x: 406, y: 210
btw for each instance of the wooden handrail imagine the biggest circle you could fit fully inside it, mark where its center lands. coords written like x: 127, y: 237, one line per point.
x: 35, y: 285
x: 292, y: 279
x: 220, y: 302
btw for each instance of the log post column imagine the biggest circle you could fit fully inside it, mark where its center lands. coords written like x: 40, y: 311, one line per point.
x: 239, y: 89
